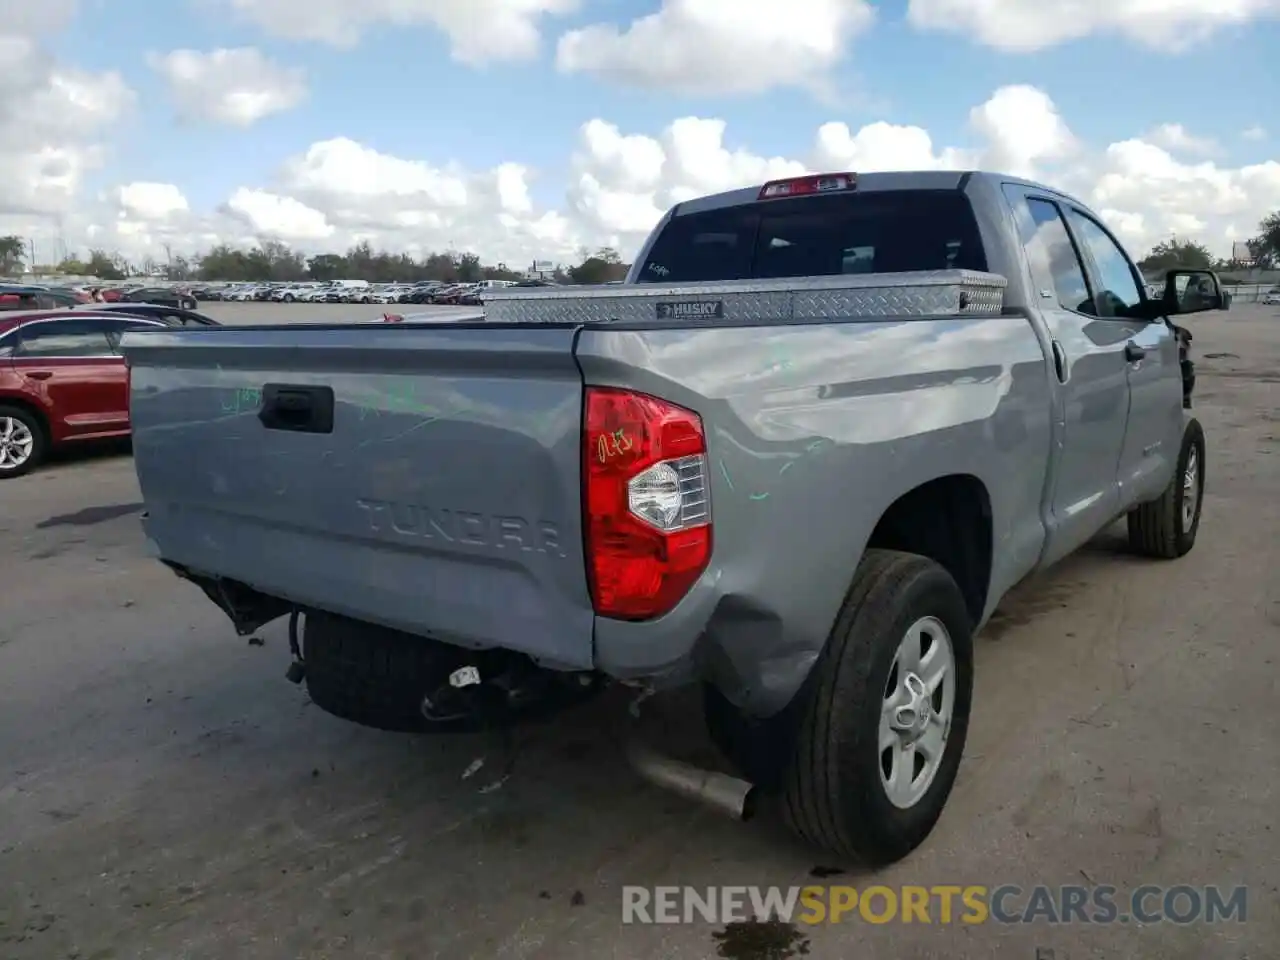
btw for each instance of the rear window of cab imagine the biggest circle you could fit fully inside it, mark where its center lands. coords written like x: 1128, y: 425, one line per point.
x: 888, y: 231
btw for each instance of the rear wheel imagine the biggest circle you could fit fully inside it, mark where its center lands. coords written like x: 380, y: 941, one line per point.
x: 22, y: 442
x: 880, y: 739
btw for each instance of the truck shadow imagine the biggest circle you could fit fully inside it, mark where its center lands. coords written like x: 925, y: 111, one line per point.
x: 1043, y: 593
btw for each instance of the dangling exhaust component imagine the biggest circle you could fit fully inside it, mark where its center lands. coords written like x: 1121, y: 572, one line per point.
x: 729, y: 795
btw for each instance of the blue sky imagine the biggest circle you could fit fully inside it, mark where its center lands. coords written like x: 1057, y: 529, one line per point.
x: 400, y: 92
x: 1117, y: 74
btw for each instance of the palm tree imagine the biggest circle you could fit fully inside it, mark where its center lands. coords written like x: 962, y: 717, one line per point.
x: 12, y: 254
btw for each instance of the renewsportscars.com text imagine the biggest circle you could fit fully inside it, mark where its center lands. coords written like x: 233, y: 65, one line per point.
x: 941, y: 904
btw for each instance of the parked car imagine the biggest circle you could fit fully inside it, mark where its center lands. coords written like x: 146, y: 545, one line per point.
x: 68, y: 296
x: 1272, y: 298
x: 821, y: 430
x: 290, y: 293
x: 171, y: 316
x: 421, y: 293
x: 452, y: 294
x: 34, y: 298
x: 63, y: 380
x: 381, y: 294
x: 166, y: 296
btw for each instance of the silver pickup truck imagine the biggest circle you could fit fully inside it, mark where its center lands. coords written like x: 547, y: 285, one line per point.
x: 797, y: 458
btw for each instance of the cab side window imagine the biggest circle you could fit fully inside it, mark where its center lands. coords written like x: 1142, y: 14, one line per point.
x: 1119, y: 291
x: 63, y: 339
x: 1052, y: 253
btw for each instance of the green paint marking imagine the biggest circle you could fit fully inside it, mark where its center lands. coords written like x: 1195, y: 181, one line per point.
x: 243, y: 400
x: 724, y: 472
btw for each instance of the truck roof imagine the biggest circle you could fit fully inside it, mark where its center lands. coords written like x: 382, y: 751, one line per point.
x: 870, y: 182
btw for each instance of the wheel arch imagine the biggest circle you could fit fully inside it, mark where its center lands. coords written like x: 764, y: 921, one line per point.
x: 40, y: 417
x: 949, y: 520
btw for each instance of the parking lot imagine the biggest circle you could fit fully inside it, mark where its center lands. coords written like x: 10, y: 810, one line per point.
x: 165, y: 793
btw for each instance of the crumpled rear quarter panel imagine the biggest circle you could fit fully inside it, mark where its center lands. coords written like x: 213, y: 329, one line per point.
x: 814, y: 430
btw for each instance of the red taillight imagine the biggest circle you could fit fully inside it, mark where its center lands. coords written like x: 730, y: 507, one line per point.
x: 801, y: 186
x: 647, y: 502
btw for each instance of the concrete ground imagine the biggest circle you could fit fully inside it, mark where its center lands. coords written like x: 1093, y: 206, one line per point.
x: 166, y: 794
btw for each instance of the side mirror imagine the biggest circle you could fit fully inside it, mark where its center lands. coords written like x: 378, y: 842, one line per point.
x: 1192, y: 291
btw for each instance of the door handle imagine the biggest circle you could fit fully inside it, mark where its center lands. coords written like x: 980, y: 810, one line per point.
x: 1059, y: 362
x: 38, y: 374
x: 1133, y: 353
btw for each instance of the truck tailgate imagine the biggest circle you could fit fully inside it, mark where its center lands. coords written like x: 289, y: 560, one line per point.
x: 424, y: 478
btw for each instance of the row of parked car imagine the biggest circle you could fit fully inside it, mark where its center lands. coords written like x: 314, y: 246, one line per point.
x: 25, y: 296
x: 357, y: 291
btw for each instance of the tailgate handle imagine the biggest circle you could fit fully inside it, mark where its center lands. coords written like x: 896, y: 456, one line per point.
x: 297, y: 407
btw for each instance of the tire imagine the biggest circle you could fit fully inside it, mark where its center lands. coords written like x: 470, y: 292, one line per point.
x: 373, y: 676
x: 18, y: 457
x: 835, y: 794
x: 1166, y: 528
x: 289, y: 298
x: 377, y: 677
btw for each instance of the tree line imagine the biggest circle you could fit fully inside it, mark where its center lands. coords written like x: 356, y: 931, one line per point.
x: 272, y: 260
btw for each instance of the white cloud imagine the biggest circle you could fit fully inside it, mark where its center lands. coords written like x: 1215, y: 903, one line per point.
x: 1022, y: 129
x: 280, y: 218
x: 237, y: 86
x: 151, y: 201
x: 1024, y: 26
x: 359, y: 191
x: 1254, y: 132
x: 883, y: 146
x: 52, y: 119
x: 1200, y: 201
x: 478, y: 30
x: 1176, y: 138
x: 25, y: 18
x: 713, y: 47
x: 619, y: 182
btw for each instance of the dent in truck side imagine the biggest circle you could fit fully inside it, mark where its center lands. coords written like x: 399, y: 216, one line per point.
x: 811, y: 439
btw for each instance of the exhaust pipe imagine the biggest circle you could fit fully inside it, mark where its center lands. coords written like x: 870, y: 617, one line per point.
x: 729, y: 795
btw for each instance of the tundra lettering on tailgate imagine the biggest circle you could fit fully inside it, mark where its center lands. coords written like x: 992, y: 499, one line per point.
x: 465, y: 527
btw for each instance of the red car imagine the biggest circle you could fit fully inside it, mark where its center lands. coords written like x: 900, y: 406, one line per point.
x: 62, y: 380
